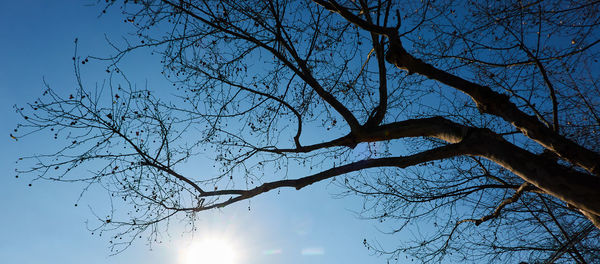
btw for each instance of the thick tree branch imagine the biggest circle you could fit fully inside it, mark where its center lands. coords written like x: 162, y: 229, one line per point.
x: 571, y: 186
x: 487, y: 100
x: 443, y: 152
x: 498, y: 104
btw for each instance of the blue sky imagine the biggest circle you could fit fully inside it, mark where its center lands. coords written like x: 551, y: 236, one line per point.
x: 40, y: 224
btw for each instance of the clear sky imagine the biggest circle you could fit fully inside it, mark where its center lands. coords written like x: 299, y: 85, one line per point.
x: 40, y: 224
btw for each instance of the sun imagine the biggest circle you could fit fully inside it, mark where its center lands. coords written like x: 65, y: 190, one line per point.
x: 210, y: 251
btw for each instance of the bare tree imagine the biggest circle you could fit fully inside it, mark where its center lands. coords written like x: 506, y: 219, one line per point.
x: 476, y: 119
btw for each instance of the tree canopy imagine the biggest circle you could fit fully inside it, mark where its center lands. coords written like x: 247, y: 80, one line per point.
x: 478, y: 120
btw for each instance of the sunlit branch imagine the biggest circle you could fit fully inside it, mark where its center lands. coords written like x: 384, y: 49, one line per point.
x: 487, y: 100
x: 504, y: 203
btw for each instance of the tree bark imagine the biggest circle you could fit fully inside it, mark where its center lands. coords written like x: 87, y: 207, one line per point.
x: 491, y: 102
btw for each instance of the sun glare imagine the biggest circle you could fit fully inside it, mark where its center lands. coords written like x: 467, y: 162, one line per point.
x: 210, y: 251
